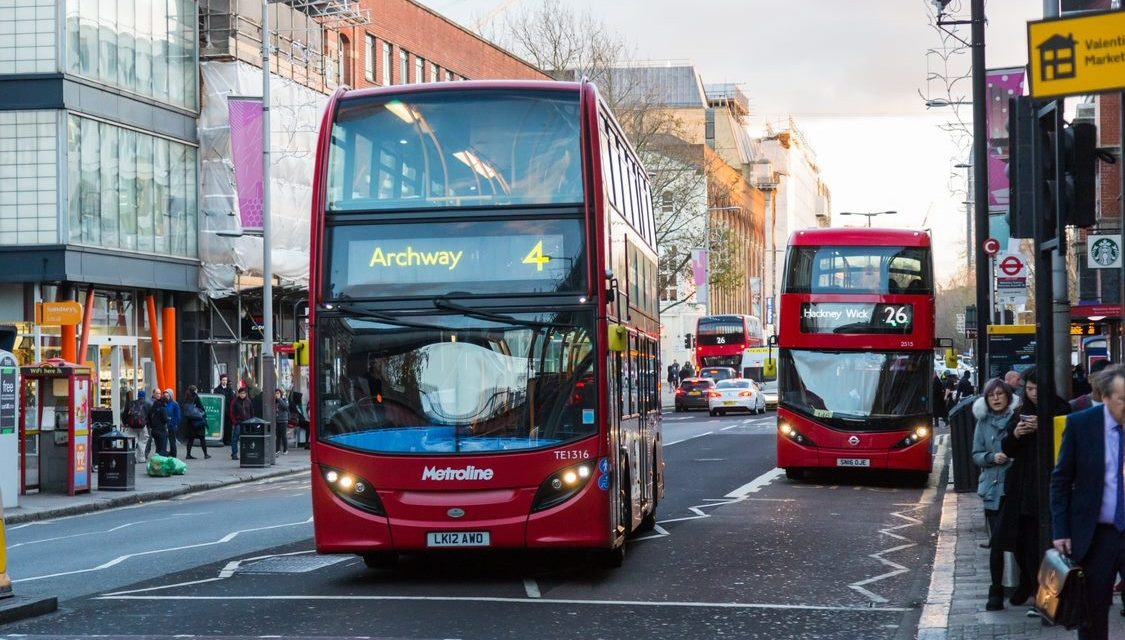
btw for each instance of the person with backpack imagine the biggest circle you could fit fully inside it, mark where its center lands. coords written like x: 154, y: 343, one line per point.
x: 134, y: 419
x: 175, y: 417
x: 281, y: 422
x: 196, y: 418
x: 158, y: 424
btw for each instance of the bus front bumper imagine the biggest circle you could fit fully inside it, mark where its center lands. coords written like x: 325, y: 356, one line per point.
x: 916, y: 457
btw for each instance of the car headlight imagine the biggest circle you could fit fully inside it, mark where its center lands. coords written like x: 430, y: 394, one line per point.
x: 788, y: 431
x: 920, y: 433
x: 562, y: 485
x: 353, y: 490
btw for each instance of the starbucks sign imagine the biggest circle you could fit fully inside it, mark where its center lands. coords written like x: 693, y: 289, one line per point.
x: 1103, y: 252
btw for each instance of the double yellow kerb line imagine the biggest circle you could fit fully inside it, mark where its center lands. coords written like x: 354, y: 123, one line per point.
x: 5, y: 581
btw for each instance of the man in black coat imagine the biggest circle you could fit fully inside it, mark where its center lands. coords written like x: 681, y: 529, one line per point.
x: 1088, y: 498
x: 224, y: 389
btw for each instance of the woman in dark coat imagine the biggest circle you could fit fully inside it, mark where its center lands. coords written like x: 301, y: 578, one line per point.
x: 196, y: 418
x: 1018, y: 529
x: 941, y: 412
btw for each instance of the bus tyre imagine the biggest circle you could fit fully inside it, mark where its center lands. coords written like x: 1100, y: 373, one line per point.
x: 794, y: 473
x: 380, y: 560
x: 648, y: 522
x: 713, y: 413
x: 611, y: 558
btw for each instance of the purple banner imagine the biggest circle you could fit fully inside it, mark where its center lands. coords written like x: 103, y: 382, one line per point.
x: 246, y: 154
x: 1003, y: 84
x: 699, y: 271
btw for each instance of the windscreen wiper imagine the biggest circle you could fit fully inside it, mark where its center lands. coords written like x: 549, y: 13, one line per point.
x: 381, y: 316
x: 445, y: 304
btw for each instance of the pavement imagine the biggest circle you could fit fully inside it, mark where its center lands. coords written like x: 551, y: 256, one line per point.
x: 954, y: 608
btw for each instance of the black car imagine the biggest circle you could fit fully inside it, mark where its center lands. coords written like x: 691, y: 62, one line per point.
x: 692, y: 393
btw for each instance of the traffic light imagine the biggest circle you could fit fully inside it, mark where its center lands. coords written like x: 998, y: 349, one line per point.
x: 687, y: 340
x: 1081, y: 141
x: 1022, y: 128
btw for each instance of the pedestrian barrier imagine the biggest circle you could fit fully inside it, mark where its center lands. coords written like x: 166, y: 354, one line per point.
x: 962, y: 425
x: 5, y: 581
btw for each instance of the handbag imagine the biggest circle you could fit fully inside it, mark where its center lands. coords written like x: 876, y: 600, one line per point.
x: 194, y: 412
x: 1061, y: 598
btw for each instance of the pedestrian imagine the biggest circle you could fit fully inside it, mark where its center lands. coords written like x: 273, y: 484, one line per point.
x: 297, y: 417
x: 964, y: 386
x: 686, y: 371
x: 135, y: 419
x: 949, y: 382
x: 1018, y: 525
x: 1079, y: 383
x: 1088, y: 499
x: 195, y: 419
x: 1014, y: 380
x: 224, y: 389
x: 1087, y: 400
x: 281, y: 422
x: 993, y: 411
x: 158, y: 424
x: 241, y: 410
x: 674, y: 374
x: 941, y: 409
x: 175, y: 417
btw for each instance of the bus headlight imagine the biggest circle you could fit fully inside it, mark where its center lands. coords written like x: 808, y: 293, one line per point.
x: 789, y: 432
x: 353, y: 490
x: 562, y: 485
x: 920, y: 433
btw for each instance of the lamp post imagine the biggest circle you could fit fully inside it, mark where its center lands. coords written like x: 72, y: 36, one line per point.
x: 269, y: 382
x: 968, y: 215
x: 707, y: 240
x: 869, y: 215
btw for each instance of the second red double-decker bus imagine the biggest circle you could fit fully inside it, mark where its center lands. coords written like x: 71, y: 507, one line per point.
x: 484, y: 327
x: 856, y: 348
x: 721, y: 340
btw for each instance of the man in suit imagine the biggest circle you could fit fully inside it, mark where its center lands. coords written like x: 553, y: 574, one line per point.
x: 1088, y: 498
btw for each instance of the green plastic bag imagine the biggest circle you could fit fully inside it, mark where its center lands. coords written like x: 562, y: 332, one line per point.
x: 159, y: 466
x: 179, y: 467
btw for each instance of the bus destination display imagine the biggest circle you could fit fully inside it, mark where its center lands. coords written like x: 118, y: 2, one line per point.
x: 856, y: 317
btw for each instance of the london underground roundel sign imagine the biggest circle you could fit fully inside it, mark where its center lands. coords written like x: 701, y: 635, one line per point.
x: 1011, y: 265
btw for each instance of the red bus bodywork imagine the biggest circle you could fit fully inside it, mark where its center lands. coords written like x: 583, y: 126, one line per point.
x: 430, y: 493
x: 729, y: 352
x: 806, y: 442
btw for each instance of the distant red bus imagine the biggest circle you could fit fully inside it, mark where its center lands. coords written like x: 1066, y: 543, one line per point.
x: 484, y: 327
x: 855, y: 359
x: 721, y: 340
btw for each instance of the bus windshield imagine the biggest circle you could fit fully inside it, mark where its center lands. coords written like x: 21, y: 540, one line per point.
x: 467, y: 385
x: 722, y: 330
x: 455, y: 149
x: 858, y: 269
x: 858, y: 390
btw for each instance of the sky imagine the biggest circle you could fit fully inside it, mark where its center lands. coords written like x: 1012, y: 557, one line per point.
x: 849, y: 73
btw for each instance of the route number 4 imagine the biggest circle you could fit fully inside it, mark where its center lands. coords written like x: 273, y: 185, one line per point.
x: 536, y: 257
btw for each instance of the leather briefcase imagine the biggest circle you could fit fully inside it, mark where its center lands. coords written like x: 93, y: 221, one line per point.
x: 1061, y: 598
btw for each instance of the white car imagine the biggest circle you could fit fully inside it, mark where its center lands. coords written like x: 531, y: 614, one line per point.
x: 769, y: 393
x: 739, y: 394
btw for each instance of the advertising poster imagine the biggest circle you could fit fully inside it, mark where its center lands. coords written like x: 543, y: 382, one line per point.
x: 1002, y: 86
x: 81, y: 435
x: 213, y: 405
x: 699, y: 260
x: 246, y: 154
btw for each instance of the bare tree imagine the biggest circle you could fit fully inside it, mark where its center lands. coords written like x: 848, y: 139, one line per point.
x: 571, y: 45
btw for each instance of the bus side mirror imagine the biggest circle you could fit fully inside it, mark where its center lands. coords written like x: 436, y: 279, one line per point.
x: 617, y: 338
x: 770, y: 368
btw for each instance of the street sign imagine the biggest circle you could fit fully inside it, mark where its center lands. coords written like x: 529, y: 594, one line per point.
x: 991, y: 246
x: 1103, y: 251
x: 1075, y: 56
x: 1011, y: 265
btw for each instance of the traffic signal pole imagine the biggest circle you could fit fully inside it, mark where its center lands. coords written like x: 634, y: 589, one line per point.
x: 980, y: 192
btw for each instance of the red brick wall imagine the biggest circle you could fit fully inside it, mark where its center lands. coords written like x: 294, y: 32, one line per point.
x: 1109, y: 135
x: 410, y: 27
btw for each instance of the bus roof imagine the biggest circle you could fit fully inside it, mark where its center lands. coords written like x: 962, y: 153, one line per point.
x: 462, y: 85
x: 860, y: 236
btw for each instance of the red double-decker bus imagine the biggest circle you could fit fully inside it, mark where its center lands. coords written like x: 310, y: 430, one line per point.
x: 856, y: 346
x: 484, y: 323
x: 721, y: 340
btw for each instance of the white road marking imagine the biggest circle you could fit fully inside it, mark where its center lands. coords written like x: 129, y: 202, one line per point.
x: 698, y: 435
x: 119, y: 559
x: 531, y: 587
x: 98, y: 531
x: 552, y: 601
x: 755, y: 485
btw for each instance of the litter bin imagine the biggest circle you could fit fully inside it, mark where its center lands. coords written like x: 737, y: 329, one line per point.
x: 962, y: 426
x: 252, y: 443
x: 117, y: 461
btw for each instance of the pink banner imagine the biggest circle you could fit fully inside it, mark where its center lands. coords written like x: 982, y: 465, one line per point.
x: 700, y: 272
x: 246, y: 154
x: 1003, y: 84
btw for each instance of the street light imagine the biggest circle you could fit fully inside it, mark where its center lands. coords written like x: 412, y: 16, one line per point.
x: 942, y: 102
x: 269, y: 380
x: 869, y: 215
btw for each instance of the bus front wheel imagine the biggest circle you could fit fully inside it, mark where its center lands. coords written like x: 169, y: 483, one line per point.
x: 794, y: 473
x: 380, y: 560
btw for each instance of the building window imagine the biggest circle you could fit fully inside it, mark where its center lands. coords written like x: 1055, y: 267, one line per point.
x: 369, y: 58
x: 386, y: 64
x: 419, y: 69
x: 140, y: 46
x: 403, y: 67
x: 435, y: 73
x: 448, y: 75
x: 667, y: 203
x: 345, y: 60
x: 130, y: 190
x: 28, y: 182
